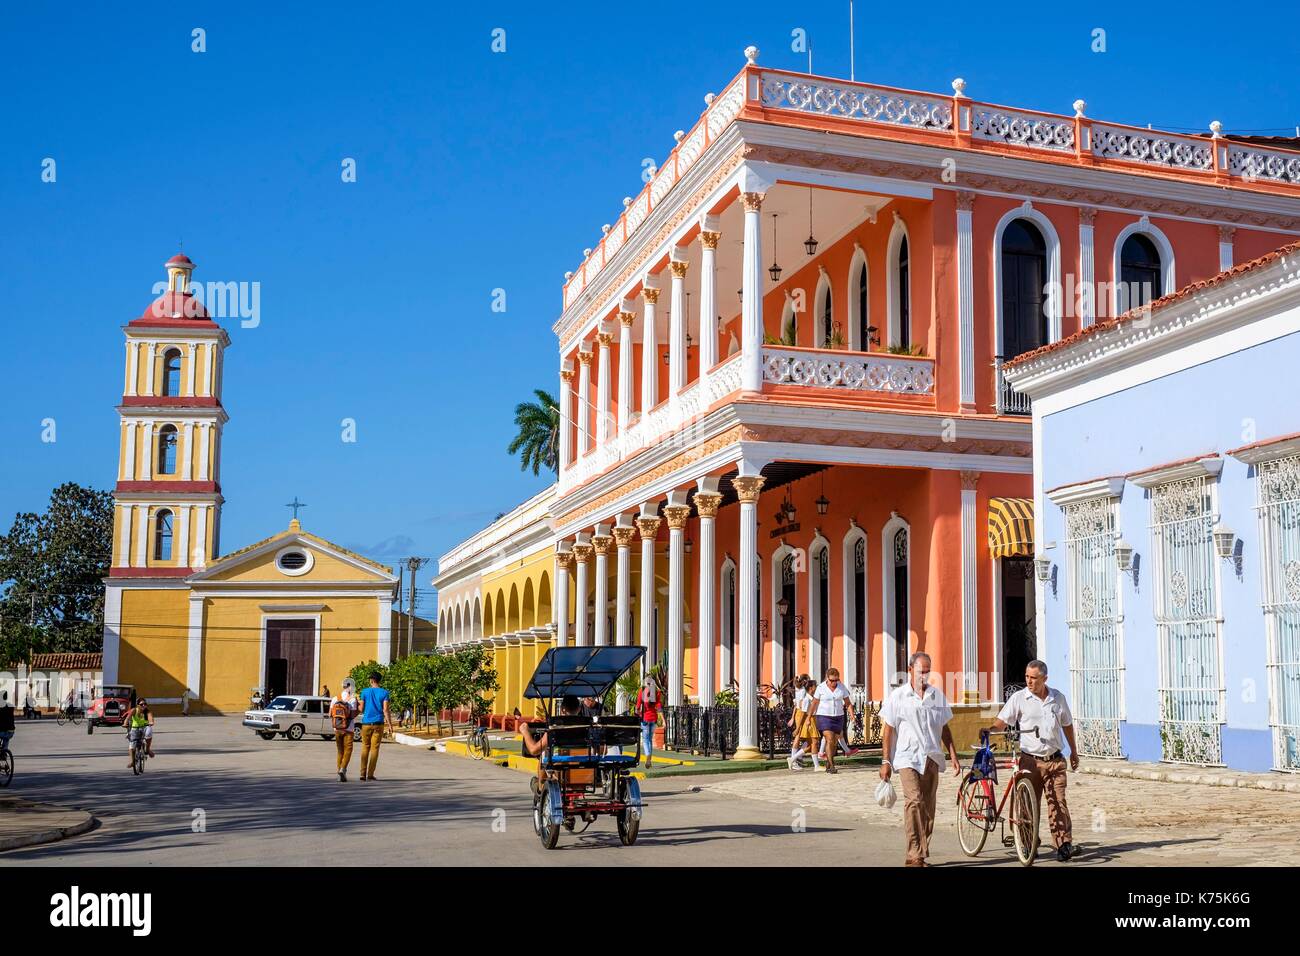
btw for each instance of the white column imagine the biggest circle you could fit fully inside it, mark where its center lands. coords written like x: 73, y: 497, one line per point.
x: 677, y: 512
x: 1087, y: 269
x: 707, y: 500
x: 384, y: 628
x: 148, y: 368
x: 566, y: 408
x: 677, y: 324
x: 563, y: 562
x: 182, y: 530
x: 582, y: 555
x: 649, y: 347
x: 192, y: 371
x: 605, y: 338
x: 205, y: 438
x: 648, y: 526
x: 709, y: 237
x: 146, y: 460
x: 623, y: 532
x: 187, y: 458
x: 209, y: 352
x: 1226, y: 236
x: 194, y: 655
x: 142, y: 538
x: 601, y: 541
x: 132, y: 363
x: 128, y: 466
x: 969, y: 589
x: 625, y: 319
x: 966, y: 296
x: 124, y: 546
x: 751, y: 309
x: 201, y: 538
x: 584, y: 402
x: 747, y: 490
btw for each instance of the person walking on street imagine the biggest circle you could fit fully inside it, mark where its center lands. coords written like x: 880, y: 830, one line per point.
x: 343, y: 718
x: 805, y: 736
x: 916, y: 736
x: 648, y: 706
x: 374, y: 717
x: 1047, y: 726
x: 832, y: 699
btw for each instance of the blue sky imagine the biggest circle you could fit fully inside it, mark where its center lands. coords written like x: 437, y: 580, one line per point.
x: 475, y: 171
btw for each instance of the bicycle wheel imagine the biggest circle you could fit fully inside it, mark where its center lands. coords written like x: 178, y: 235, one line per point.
x: 61, y: 719
x: 1024, y: 821
x: 477, y: 745
x: 75, y: 717
x: 6, y: 767
x: 976, y: 813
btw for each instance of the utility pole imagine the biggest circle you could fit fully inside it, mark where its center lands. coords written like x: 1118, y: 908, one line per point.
x: 413, y: 565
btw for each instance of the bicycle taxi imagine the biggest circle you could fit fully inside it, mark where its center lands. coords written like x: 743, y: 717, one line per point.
x: 588, y: 760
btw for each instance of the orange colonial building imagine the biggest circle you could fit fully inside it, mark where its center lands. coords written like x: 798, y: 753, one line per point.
x: 780, y: 389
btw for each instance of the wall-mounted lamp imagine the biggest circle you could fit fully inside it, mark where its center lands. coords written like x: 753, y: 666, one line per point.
x: 1123, y: 556
x: 687, y: 545
x: 1224, y: 540
x: 1043, y: 567
x: 783, y: 606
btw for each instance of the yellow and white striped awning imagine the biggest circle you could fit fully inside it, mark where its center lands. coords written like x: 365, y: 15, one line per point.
x: 1011, y: 527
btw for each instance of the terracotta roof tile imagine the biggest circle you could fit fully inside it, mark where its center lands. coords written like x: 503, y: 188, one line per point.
x: 67, y: 662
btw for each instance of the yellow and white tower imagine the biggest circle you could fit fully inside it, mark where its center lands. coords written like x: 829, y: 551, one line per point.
x: 168, y: 495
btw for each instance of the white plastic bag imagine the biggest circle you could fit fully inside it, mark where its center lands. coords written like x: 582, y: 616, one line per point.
x: 885, y: 795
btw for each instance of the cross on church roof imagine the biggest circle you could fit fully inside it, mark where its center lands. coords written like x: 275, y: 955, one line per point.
x: 295, y: 505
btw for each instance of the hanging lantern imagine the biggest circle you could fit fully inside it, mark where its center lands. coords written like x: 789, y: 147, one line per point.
x: 810, y: 243
x: 775, y: 271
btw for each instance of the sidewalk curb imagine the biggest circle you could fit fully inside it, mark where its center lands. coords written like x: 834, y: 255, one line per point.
x: 1244, y: 782
x: 51, y: 835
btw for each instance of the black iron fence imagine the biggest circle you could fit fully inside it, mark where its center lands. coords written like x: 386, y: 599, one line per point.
x: 708, y: 731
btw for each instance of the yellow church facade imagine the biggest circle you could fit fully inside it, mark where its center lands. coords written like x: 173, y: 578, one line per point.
x: 289, y: 614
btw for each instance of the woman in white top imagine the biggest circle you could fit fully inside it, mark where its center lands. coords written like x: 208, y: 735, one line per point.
x: 804, y: 738
x: 832, y: 699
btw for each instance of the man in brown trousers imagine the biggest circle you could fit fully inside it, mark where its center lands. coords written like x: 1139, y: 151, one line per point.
x: 1046, y: 725
x: 916, y: 736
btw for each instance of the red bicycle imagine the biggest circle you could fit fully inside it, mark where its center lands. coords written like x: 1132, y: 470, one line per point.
x: 978, y: 810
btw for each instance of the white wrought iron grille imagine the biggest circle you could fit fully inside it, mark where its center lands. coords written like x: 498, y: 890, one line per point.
x: 1096, y: 661
x: 1279, y: 514
x: 1187, y: 622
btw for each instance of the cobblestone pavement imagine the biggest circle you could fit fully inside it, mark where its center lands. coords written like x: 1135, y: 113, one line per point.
x: 1130, y: 822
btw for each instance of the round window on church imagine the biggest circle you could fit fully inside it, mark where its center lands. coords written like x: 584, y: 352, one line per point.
x: 293, y: 561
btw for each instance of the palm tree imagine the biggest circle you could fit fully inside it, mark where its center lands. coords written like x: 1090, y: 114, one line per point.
x: 538, y: 439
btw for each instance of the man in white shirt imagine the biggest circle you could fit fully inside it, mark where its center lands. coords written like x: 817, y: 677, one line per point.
x: 1046, y: 725
x: 916, y: 737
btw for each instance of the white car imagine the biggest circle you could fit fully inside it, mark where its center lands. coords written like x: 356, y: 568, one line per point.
x: 294, y: 717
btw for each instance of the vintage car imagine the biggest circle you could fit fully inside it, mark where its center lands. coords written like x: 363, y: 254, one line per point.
x: 294, y: 716
x: 109, y: 706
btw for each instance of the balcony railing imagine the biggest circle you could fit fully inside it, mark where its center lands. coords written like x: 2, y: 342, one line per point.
x: 1010, y: 402
x: 841, y: 370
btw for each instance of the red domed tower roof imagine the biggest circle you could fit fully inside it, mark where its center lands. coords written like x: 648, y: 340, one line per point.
x: 176, y: 306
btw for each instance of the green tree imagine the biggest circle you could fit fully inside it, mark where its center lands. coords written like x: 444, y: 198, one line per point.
x: 52, y: 570
x: 537, y: 441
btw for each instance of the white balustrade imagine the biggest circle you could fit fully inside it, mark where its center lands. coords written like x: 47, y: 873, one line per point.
x: 1023, y: 129
x: 1152, y: 148
x: 856, y: 101
x: 1256, y: 163
x: 860, y: 371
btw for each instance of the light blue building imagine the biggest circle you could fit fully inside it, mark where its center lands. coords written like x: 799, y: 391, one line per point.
x: 1167, y: 511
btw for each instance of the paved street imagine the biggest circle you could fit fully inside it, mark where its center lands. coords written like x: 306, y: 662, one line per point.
x: 279, y: 802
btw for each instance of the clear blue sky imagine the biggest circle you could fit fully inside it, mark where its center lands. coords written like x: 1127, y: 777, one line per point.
x: 475, y: 171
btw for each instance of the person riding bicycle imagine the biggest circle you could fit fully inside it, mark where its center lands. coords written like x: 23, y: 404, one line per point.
x: 6, y: 720
x: 138, y: 722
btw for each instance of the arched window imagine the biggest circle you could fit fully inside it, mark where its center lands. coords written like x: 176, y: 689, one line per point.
x: 162, y: 536
x: 167, y: 450
x: 825, y: 316
x: 860, y: 610
x: 904, y: 296
x: 1141, y: 272
x: 1024, y: 300
x: 823, y: 593
x: 728, y: 624
x: 901, y: 623
x: 789, y: 334
x: 171, y: 380
x: 864, y: 312
x: 789, y: 595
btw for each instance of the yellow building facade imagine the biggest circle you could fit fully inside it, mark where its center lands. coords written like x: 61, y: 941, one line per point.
x: 289, y: 614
